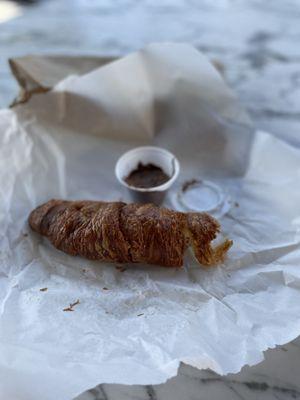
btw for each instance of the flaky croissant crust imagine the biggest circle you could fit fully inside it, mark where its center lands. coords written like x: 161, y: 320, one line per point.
x: 128, y: 233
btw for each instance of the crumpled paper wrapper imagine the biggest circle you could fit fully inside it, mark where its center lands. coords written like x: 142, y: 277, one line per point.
x: 136, y: 326
x: 39, y: 73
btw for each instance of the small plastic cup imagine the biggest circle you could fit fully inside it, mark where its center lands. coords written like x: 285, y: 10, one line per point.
x: 162, y: 158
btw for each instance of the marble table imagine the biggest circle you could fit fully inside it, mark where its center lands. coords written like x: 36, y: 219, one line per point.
x: 256, y: 44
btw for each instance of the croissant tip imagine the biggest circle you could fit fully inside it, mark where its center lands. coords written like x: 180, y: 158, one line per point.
x: 36, y: 216
x: 220, y: 252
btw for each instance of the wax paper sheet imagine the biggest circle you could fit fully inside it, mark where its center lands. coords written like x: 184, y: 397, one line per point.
x: 135, y: 326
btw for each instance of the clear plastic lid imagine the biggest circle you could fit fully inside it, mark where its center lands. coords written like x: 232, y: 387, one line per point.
x: 201, y: 195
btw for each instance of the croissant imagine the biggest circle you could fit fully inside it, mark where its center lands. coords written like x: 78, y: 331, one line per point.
x: 128, y: 233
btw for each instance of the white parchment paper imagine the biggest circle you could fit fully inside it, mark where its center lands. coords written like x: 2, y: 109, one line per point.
x: 64, y: 144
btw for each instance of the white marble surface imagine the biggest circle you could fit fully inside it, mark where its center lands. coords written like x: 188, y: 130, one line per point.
x: 257, y: 42
x: 276, y: 378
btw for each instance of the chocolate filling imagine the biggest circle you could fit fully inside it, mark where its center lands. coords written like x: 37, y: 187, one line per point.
x: 146, y: 176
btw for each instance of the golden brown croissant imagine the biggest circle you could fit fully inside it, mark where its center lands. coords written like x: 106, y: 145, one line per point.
x: 128, y: 233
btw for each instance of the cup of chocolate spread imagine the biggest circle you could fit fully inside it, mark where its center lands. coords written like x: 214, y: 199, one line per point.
x: 148, y: 172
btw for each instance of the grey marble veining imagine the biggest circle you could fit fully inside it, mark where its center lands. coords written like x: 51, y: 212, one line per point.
x: 257, y: 43
x: 275, y: 378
